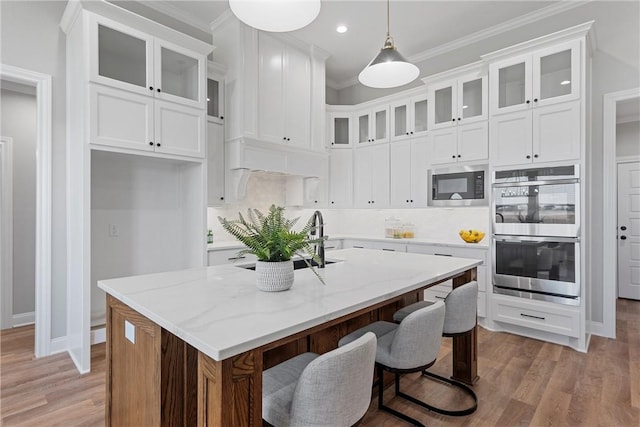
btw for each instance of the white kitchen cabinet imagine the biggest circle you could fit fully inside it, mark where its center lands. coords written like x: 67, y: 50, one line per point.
x: 215, y: 92
x: 409, y: 164
x: 390, y: 246
x: 341, y: 179
x: 124, y: 119
x: 458, y: 101
x: 315, y: 192
x: 372, y: 125
x: 542, y: 77
x: 215, y: 163
x: 340, y: 131
x: 132, y: 60
x: 542, y: 134
x: 409, y: 117
x: 460, y: 143
x: 284, y: 92
x: 371, y: 176
x: 228, y: 256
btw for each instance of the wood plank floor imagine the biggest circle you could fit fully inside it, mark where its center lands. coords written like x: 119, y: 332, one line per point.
x: 523, y: 382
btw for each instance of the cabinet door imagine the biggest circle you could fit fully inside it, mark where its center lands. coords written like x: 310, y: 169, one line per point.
x: 380, y: 124
x: 362, y: 162
x: 179, y: 74
x: 120, y: 56
x: 363, y: 127
x: 341, y: 179
x: 510, y: 82
x: 215, y: 99
x: 297, y: 96
x: 511, y: 138
x: 444, y: 105
x: 419, y: 167
x: 401, y: 174
x: 556, y: 132
x: 556, y: 74
x: 400, y: 120
x: 419, y: 115
x: 120, y: 118
x: 380, y: 176
x: 340, y: 130
x: 270, y: 89
x: 472, y: 100
x: 215, y: 163
x: 444, y: 146
x: 179, y: 129
x: 473, y: 142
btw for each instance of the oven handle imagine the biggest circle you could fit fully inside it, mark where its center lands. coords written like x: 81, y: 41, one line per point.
x: 536, y: 183
x: 518, y: 239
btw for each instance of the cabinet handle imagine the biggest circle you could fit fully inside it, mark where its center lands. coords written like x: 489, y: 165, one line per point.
x: 151, y: 143
x: 623, y: 237
x: 221, y: 117
x: 535, y: 99
x: 623, y: 228
x: 284, y: 138
x: 159, y: 90
x: 439, y: 297
x: 528, y: 156
x: 533, y: 317
x: 358, y: 247
x: 453, y: 157
x: 528, y: 102
x: 443, y: 254
x: 388, y: 249
x: 158, y: 144
x: 221, y: 198
x: 150, y: 87
x: 459, y: 156
x: 411, y: 200
x: 332, y: 202
x: 453, y: 120
x: 407, y: 133
x: 459, y: 119
x: 332, y: 143
x: 535, y: 156
x: 236, y: 258
x: 373, y: 201
x: 411, y: 132
x: 407, y: 201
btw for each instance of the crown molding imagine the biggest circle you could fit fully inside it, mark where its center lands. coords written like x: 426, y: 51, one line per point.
x: 179, y: 14
x: 220, y: 20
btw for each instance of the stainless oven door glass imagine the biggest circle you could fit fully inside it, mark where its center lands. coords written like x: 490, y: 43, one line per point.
x: 540, y: 265
x: 539, y: 202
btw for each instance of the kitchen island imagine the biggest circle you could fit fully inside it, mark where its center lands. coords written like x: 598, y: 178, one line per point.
x: 189, y: 347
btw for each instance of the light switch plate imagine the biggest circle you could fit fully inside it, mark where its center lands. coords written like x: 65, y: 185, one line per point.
x: 130, y: 331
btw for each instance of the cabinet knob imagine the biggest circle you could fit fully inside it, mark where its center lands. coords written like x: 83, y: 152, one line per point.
x: 158, y: 144
x: 411, y: 200
x: 150, y: 87
x: 373, y: 201
x: 288, y: 139
x: 453, y: 120
x: 411, y: 132
x: 159, y: 90
x: 459, y: 119
x: 407, y: 201
x: 315, y: 201
x: 528, y: 102
x: 535, y: 99
x: 332, y: 143
x: 284, y: 138
x: 332, y: 202
x: 221, y: 117
x: 528, y: 156
x: 407, y: 133
x: 221, y: 198
x: 453, y: 157
x: 535, y: 156
x: 150, y: 142
x: 459, y: 156
x: 623, y: 228
x: 623, y: 237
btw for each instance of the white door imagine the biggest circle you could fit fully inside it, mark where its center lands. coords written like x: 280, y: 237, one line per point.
x: 444, y: 146
x: 629, y: 230
x: 511, y: 138
x: 341, y: 179
x: 6, y: 232
x: 380, y: 176
x: 179, y: 129
x: 556, y: 132
x: 401, y: 174
x: 473, y: 141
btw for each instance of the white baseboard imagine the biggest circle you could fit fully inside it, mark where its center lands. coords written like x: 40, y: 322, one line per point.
x: 23, y: 319
x: 98, y: 335
x: 58, y: 345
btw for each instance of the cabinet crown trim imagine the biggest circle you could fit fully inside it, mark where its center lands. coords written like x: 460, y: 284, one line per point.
x: 572, y: 33
x: 479, y: 67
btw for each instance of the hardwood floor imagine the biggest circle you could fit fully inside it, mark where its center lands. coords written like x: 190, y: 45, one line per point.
x: 523, y: 382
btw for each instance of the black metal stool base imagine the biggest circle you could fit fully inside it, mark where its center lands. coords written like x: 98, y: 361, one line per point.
x: 468, y: 391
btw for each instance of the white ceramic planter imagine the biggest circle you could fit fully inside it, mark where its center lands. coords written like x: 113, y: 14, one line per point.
x: 274, y: 276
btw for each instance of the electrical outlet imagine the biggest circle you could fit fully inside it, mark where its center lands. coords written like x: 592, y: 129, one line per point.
x: 113, y: 230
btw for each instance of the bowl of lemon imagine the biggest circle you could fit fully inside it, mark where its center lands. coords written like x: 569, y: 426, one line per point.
x: 471, y: 236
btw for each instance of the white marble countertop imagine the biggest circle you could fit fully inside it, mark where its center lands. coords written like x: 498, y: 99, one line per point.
x: 458, y: 243
x: 219, y: 310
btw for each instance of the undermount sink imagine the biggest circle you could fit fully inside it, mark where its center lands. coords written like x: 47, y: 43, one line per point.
x: 297, y: 264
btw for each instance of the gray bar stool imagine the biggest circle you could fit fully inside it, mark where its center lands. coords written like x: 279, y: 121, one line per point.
x: 460, y: 319
x: 310, y: 390
x: 411, y: 346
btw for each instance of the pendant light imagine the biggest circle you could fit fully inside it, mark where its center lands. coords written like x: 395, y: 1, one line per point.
x: 389, y: 68
x: 276, y: 15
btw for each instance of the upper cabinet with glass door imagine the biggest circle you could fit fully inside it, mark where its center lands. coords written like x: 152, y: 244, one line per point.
x: 459, y: 101
x: 545, y: 76
x: 339, y: 132
x: 215, y: 92
x: 409, y: 118
x: 129, y: 59
x: 372, y: 125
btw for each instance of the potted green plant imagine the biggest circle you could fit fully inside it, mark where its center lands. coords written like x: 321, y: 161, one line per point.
x: 273, y: 241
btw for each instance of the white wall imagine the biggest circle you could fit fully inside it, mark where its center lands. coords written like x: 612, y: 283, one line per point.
x: 31, y: 39
x: 628, y: 139
x: 18, y: 120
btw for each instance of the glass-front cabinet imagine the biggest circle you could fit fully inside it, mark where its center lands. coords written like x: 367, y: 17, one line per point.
x: 128, y: 59
x: 339, y: 130
x: 458, y: 101
x: 215, y: 92
x: 544, y: 77
x: 409, y: 118
x: 372, y: 125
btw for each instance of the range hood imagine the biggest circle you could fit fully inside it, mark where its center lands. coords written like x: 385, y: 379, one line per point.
x: 246, y: 155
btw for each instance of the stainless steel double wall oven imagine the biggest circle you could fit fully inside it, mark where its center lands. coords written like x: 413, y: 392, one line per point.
x: 536, y: 229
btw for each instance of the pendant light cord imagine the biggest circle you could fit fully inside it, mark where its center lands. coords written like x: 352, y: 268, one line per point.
x: 388, y: 18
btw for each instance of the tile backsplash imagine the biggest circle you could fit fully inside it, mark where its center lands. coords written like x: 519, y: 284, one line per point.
x: 437, y: 224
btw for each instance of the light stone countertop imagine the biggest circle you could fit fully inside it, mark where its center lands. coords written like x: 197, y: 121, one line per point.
x: 219, y: 310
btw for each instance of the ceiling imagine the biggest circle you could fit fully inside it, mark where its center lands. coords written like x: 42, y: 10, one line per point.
x: 422, y: 29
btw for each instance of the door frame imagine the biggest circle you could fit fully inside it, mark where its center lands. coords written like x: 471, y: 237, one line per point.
x: 6, y: 231
x: 610, y: 216
x: 42, y: 84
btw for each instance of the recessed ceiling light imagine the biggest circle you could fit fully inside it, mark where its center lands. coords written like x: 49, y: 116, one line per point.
x: 341, y: 29
x: 565, y: 82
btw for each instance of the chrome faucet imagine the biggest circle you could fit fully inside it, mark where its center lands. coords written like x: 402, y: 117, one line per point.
x: 318, y: 224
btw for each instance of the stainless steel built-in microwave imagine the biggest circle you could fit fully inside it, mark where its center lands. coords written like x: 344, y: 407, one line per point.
x: 459, y: 186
